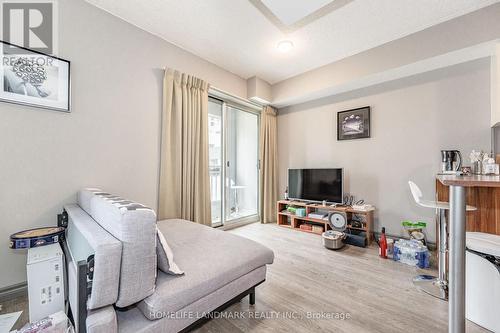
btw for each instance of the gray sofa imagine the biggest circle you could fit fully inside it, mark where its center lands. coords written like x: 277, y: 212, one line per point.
x: 113, y: 281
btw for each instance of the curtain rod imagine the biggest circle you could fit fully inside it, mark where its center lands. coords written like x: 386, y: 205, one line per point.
x: 216, y: 92
x: 226, y: 95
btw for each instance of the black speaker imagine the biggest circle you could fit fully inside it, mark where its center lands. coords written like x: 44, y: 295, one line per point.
x: 356, y: 240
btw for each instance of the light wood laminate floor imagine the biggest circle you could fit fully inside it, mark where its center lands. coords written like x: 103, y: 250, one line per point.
x: 305, y: 277
x: 378, y: 294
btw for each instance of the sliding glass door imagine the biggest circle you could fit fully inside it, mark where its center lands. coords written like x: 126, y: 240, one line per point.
x: 242, y: 164
x: 215, y: 155
x: 234, y: 162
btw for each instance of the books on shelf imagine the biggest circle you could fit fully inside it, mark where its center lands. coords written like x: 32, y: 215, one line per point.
x: 317, y: 215
x: 306, y: 226
x: 317, y: 229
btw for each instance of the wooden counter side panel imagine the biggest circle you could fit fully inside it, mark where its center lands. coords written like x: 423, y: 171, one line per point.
x: 486, y: 199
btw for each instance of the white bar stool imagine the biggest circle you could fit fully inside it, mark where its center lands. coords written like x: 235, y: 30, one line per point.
x: 432, y: 285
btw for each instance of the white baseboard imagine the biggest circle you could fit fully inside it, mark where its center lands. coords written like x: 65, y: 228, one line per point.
x: 14, y: 291
x: 239, y: 224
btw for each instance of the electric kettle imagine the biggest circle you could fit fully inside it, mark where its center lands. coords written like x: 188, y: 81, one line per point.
x: 451, y: 160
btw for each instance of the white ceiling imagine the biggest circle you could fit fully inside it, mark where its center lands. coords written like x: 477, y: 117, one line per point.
x: 235, y: 35
x: 290, y: 12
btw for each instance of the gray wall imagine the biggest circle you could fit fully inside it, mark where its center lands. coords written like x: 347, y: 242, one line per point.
x: 111, y: 138
x: 412, y: 120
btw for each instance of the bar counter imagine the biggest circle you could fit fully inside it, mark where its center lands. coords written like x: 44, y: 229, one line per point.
x: 484, y: 192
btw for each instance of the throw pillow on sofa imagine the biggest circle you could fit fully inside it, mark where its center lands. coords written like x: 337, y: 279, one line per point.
x: 165, y: 256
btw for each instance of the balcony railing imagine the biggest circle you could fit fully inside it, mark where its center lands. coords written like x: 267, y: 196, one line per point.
x: 215, y: 182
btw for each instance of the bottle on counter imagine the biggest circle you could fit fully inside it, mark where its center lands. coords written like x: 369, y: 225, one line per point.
x: 489, y: 166
x: 286, y: 193
x: 383, y: 244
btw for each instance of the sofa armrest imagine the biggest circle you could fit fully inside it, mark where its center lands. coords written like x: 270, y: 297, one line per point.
x: 134, y: 225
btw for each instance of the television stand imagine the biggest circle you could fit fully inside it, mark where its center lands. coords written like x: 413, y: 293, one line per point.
x: 362, y: 219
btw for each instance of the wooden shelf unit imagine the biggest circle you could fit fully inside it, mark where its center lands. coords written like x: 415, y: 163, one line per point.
x: 292, y: 221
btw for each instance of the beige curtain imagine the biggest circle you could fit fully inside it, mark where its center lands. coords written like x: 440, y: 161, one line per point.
x: 184, y: 190
x: 269, y: 164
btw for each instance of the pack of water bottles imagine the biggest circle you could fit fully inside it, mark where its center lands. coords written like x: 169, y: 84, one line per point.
x: 411, y: 252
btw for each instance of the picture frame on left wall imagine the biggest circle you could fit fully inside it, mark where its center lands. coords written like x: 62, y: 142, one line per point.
x: 34, y: 79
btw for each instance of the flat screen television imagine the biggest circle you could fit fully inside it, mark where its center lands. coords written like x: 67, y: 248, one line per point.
x: 316, y: 185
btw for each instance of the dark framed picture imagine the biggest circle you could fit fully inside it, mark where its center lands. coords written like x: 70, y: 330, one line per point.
x: 33, y: 78
x: 353, y: 124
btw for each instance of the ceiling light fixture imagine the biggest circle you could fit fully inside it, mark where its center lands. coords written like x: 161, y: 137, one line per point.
x: 285, y: 46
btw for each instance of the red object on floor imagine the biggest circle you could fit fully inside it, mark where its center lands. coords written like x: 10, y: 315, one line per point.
x: 383, y: 245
